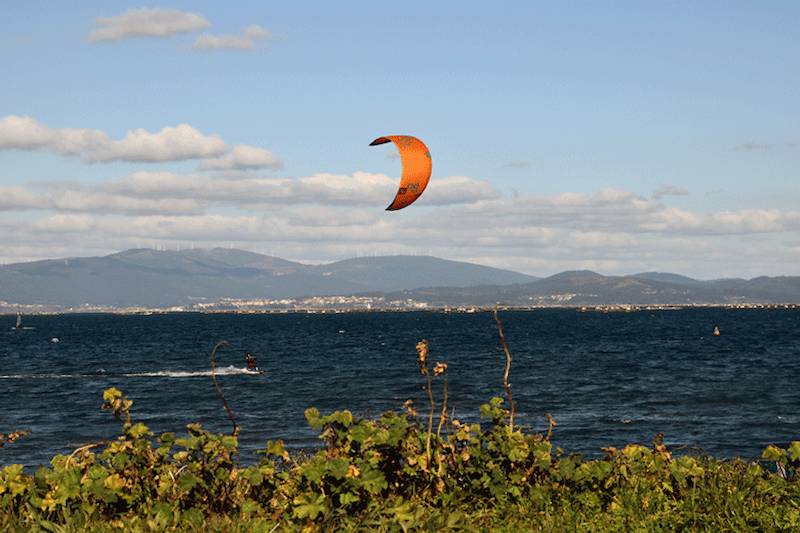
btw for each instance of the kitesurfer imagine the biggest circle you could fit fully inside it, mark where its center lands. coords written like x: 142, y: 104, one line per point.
x: 251, y: 362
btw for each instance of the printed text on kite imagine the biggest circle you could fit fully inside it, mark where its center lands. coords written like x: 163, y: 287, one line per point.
x: 416, y: 160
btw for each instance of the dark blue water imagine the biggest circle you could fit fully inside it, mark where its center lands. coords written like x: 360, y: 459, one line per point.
x: 608, y: 379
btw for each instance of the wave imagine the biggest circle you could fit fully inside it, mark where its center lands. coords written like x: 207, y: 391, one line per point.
x: 221, y: 371
x: 44, y: 376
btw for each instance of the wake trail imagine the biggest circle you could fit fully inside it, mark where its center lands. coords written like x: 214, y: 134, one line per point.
x: 223, y: 371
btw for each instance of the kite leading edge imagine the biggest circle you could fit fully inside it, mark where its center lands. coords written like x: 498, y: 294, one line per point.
x: 416, y: 160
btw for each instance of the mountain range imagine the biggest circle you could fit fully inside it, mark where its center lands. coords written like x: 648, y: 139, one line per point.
x: 586, y: 288
x: 151, y: 278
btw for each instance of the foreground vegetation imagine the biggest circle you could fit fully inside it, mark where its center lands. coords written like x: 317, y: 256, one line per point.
x: 403, y: 471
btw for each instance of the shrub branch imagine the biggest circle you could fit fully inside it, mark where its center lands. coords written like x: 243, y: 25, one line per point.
x: 228, y: 410
x: 506, y: 384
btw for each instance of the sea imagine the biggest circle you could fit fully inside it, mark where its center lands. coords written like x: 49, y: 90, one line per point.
x: 607, y: 379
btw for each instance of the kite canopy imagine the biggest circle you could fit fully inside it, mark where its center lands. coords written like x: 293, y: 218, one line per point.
x: 416, y: 160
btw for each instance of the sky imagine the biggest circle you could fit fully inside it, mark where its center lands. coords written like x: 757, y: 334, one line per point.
x: 617, y: 137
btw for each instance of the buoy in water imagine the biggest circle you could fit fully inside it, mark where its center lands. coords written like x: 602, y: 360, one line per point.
x: 716, y: 331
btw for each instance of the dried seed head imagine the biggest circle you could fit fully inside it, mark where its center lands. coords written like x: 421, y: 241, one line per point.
x: 440, y: 368
x: 422, y: 356
x: 407, y: 405
x: 12, y: 437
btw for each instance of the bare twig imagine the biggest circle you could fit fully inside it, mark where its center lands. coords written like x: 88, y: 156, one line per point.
x: 177, y: 472
x: 506, y: 384
x: 422, y: 360
x: 235, y: 431
x: 84, y: 448
x: 430, y: 419
x: 443, y: 416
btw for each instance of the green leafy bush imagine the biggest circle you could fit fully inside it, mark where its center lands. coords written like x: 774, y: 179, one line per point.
x: 381, y: 474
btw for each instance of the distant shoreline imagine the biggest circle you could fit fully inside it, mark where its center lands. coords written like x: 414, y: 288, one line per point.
x: 605, y: 308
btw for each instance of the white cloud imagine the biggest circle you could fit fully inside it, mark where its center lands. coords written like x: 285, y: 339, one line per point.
x: 146, y: 23
x: 176, y: 143
x: 606, y: 209
x: 169, y: 193
x: 78, y: 199
x: 170, y: 144
x: 245, y: 41
x: 100, y: 202
x: 243, y: 156
x: 16, y: 198
x: 359, y: 188
x: 743, y: 222
x: 64, y: 223
x: 457, y: 190
x: 26, y: 133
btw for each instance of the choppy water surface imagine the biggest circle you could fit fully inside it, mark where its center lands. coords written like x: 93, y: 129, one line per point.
x: 608, y: 379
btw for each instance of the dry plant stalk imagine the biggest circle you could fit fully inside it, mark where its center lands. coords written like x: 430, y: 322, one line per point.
x: 441, y: 369
x: 551, y: 423
x: 235, y: 431
x: 422, y: 360
x: 84, y: 448
x: 506, y: 384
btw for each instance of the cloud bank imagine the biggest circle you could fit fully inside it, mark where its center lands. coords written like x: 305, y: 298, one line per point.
x: 324, y: 217
x: 243, y: 157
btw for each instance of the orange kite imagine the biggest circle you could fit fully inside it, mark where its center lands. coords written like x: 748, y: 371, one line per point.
x: 416, y: 160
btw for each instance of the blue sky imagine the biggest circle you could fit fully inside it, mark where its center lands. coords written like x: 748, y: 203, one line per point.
x: 625, y: 137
